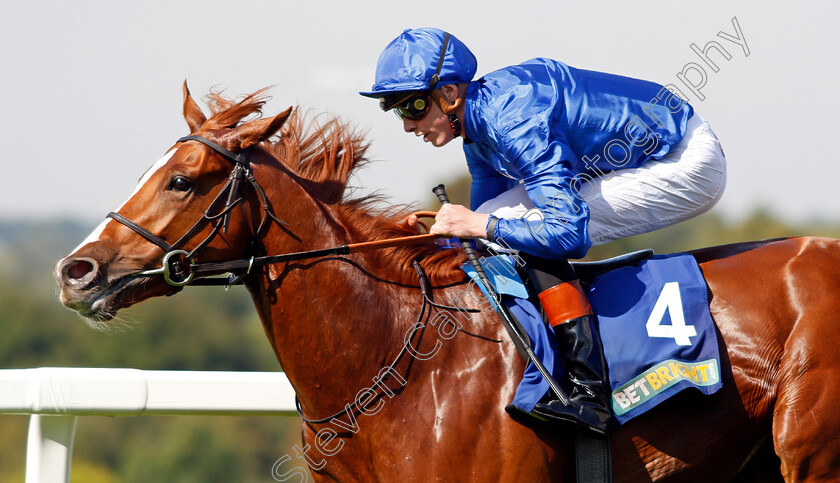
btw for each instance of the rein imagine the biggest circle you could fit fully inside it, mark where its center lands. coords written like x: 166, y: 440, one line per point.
x: 387, y: 371
x: 175, y: 272
x: 178, y: 266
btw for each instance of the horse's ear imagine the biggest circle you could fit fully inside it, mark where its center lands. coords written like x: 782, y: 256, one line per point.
x: 192, y: 113
x: 258, y: 131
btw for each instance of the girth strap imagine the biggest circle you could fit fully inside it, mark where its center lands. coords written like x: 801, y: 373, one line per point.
x: 593, y: 458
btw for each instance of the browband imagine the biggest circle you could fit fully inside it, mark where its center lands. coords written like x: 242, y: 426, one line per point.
x: 230, y: 155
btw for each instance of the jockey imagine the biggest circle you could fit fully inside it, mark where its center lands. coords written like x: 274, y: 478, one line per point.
x: 561, y: 159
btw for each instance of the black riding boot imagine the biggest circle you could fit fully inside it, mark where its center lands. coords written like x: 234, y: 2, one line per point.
x: 584, y: 365
x: 568, y: 312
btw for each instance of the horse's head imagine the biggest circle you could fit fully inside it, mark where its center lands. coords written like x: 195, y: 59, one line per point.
x: 186, y: 205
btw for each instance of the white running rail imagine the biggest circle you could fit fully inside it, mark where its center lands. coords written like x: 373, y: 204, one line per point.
x: 56, y: 396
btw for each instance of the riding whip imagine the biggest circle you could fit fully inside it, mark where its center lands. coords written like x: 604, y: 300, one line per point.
x: 510, y: 324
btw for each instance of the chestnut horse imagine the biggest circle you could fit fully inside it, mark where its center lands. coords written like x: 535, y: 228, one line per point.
x: 436, y: 413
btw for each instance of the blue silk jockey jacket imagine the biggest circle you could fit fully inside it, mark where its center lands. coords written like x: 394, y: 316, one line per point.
x: 556, y: 128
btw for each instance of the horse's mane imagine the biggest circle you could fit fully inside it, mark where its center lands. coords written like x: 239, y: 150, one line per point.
x: 324, y: 151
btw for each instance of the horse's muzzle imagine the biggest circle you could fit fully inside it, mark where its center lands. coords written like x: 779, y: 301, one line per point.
x: 79, y: 279
x: 76, y: 272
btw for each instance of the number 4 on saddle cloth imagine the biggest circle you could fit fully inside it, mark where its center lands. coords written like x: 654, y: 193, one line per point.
x: 655, y: 327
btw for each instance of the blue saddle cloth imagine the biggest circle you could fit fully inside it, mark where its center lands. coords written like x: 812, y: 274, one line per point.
x: 654, y: 322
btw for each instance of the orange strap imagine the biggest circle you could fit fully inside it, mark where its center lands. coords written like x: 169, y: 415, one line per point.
x: 421, y: 214
x: 564, y: 302
x: 391, y: 242
x: 401, y: 241
x: 424, y: 214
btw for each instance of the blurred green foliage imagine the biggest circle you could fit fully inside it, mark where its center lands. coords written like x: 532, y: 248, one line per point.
x: 199, y: 329
x: 203, y: 329
x: 711, y: 229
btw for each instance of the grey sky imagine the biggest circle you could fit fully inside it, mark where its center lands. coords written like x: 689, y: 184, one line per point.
x: 92, y: 88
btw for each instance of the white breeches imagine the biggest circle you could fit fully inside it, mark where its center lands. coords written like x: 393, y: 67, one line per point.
x: 685, y: 183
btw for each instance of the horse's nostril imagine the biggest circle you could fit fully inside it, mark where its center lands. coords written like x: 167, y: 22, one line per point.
x: 78, y: 269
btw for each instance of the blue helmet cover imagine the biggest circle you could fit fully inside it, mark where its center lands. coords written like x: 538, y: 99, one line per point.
x: 409, y: 62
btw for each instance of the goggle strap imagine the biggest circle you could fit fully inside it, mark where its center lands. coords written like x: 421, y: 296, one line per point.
x: 435, y: 77
x: 393, y: 104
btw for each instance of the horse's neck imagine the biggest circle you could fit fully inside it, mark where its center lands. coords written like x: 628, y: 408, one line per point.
x: 331, y: 320
x: 334, y: 327
x: 336, y: 322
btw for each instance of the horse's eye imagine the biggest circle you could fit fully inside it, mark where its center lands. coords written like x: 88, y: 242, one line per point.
x: 180, y: 183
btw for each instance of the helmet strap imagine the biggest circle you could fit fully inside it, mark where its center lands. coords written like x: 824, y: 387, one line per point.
x: 450, y: 109
x: 455, y: 124
x: 435, y: 78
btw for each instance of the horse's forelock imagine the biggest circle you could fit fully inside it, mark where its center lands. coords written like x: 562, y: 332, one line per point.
x: 321, y: 149
x: 227, y: 113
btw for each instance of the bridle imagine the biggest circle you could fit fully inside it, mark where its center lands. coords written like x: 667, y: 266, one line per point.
x: 179, y: 267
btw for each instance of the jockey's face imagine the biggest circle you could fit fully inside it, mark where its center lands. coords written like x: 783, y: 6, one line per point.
x: 433, y: 127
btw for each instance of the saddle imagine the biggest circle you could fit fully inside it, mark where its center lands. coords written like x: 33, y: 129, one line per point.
x: 587, y: 271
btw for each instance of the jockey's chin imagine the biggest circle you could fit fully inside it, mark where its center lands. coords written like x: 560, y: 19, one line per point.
x: 441, y: 140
